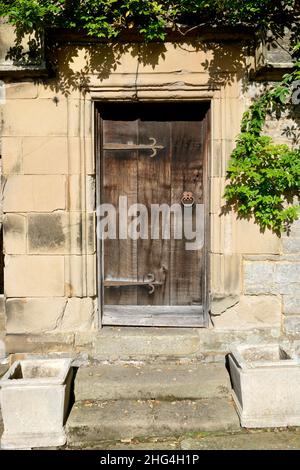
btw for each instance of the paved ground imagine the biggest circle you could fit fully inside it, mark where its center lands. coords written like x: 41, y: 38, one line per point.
x: 243, y: 440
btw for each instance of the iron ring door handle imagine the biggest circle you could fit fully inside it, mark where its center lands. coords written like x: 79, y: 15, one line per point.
x: 187, y: 199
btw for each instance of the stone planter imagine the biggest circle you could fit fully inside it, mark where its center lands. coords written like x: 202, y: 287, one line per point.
x: 34, y: 400
x: 266, y: 386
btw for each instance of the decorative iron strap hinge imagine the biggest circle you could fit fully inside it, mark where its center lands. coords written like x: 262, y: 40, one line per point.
x: 119, y: 146
x: 148, y: 281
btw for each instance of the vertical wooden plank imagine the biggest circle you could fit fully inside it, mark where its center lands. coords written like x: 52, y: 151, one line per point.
x: 120, y: 179
x: 154, y: 188
x: 187, y: 175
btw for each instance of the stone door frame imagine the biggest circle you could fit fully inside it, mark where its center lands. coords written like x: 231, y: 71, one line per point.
x: 222, y: 136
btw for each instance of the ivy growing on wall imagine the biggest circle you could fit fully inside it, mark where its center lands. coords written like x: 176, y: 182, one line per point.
x: 263, y: 177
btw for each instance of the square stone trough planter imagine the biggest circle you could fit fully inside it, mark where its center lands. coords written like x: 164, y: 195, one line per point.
x: 34, y: 401
x: 266, y: 386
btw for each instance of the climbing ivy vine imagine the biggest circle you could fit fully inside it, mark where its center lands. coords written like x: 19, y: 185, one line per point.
x: 263, y: 177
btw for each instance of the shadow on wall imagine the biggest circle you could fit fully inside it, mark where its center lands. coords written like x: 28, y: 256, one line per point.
x: 291, y: 117
x: 74, y: 61
x: 228, y: 60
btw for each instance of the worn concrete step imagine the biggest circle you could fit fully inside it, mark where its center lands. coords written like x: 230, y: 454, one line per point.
x: 92, y: 422
x: 163, y: 381
x: 142, y: 343
x: 171, y: 344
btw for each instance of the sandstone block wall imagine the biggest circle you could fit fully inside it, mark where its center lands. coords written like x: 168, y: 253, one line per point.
x: 49, y: 236
x: 49, y: 221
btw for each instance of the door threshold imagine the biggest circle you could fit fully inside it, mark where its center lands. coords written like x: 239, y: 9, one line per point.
x: 140, y: 315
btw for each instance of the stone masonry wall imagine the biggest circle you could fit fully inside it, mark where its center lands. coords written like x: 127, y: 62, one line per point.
x: 49, y: 261
x: 49, y: 199
x: 273, y: 270
x: 279, y: 274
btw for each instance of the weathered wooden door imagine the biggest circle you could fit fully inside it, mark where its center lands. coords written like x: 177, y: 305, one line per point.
x: 152, y: 155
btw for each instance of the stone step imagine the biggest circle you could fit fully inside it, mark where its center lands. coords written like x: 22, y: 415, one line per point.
x: 93, y: 422
x: 141, y: 343
x: 170, y: 344
x: 149, y: 381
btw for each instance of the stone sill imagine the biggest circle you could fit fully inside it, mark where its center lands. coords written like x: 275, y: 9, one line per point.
x: 273, y: 58
x: 271, y: 72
